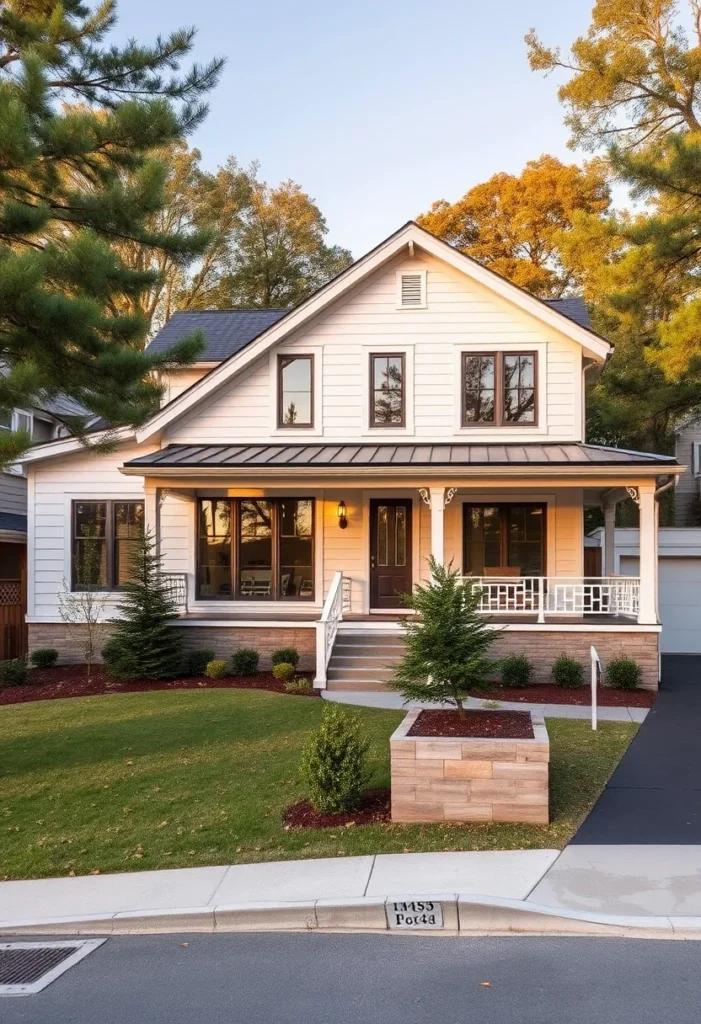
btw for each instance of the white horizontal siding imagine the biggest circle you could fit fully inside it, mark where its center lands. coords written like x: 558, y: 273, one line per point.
x: 461, y: 316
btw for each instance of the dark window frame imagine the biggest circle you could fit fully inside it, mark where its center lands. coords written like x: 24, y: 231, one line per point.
x: 376, y: 424
x: 499, y: 405
x: 234, y: 556
x: 290, y: 357
x: 503, y: 507
x: 109, y: 539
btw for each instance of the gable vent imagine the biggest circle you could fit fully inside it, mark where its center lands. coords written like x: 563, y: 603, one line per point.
x: 412, y: 289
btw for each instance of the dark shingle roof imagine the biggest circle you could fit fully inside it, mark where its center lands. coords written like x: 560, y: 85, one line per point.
x: 226, y: 331
x: 229, y: 330
x: 573, y: 308
x: 395, y: 455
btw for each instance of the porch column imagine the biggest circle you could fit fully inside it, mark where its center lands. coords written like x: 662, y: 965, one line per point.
x: 437, y: 496
x: 609, y: 566
x: 647, y: 613
x: 152, y: 514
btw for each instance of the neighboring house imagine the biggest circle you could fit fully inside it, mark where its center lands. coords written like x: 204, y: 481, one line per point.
x: 679, y: 570
x: 302, y: 473
x: 687, y: 498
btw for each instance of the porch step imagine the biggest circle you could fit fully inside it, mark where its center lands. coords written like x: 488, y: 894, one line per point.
x: 362, y: 661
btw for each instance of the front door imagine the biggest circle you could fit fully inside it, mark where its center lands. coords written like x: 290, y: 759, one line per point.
x: 390, y: 552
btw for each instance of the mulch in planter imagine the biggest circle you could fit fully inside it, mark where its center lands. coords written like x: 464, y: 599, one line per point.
x: 374, y: 809
x: 71, y: 681
x: 502, y: 725
x: 606, y: 696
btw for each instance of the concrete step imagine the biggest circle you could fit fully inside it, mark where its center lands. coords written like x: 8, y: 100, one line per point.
x: 370, y: 639
x: 361, y: 674
x: 353, y: 685
x: 368, y: 661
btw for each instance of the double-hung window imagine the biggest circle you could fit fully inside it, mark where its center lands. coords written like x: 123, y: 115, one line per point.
x: 499, y: 389
x: 104, y: 536
x: 256, y: 549
x: 387, y: 390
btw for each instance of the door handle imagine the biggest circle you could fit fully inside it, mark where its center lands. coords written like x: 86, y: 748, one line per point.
x: 372, y: 561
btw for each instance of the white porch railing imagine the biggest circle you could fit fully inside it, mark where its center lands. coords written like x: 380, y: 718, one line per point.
x: 176, y: 582
x: 337, y: 601
x: 559, y: 595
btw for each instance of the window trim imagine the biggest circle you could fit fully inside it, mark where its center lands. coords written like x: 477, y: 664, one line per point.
x: 234, y: 547
x: 499, y: 355
x: 503, y: 506
x: 372, y: 423
x: 110, y: 537
x: 290, y: 356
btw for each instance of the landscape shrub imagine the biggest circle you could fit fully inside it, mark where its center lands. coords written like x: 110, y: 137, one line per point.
x: 13, y: 673
x: 568, y: 672
x: 516, y: 670
x: 216, y: 669
x: 624, y: 674
x: 44, y: 657
x: 285, y: 656
x: 283, y: 671
x: 245, y: 662
x: 299, y: 685
x: 334, y: 762
x: 196, y: 661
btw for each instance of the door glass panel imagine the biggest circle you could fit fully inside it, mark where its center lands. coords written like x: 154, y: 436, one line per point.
x: 526, y: 534
x: 255, y: 567
x: 382, y: 535
x: 215, y: 549
x: 482, y: 539
x: 296, y: 560
x: 400, y: 535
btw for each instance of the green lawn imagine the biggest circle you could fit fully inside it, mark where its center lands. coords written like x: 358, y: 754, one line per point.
x: 193, y: 777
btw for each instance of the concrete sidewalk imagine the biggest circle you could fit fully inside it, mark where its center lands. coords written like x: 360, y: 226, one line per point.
x: 648, y: 891
x: 380, y: 699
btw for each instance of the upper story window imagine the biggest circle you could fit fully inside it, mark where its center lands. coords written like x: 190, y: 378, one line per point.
x: 295, y: 391
x: 387, y: 392
x: 103, y: 536
x: 499, y: 389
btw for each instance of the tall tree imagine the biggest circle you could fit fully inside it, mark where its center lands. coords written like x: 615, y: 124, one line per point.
x: 515, y: 224
x: 634, y: 77
x: 80, y: 126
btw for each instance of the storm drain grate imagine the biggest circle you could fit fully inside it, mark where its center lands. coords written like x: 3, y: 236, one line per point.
x: 28, y: 967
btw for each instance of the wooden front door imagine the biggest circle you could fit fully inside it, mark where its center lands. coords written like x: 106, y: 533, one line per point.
x: 390, y: 552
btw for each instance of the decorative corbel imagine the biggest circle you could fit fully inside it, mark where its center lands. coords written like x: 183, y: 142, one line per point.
x: 449, y: 495
x: 634, y: 493
x: 425, y: 495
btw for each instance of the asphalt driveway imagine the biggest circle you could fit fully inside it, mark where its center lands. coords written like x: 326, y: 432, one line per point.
x: 654, y: 796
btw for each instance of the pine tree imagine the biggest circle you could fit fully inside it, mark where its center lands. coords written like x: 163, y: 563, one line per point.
x: 144, y: 644
x: 80, y: 126
x: 447, y: 644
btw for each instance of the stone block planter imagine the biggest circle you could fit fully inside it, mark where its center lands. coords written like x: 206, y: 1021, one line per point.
x: 469, y: 779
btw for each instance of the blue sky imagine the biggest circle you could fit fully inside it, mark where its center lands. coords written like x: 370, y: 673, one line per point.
x: 375, y: 108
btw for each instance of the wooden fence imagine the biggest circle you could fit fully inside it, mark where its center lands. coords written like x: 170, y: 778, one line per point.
x: 13, y: 628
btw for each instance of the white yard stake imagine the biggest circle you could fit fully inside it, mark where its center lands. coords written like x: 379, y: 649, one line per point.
x: 595, y: 669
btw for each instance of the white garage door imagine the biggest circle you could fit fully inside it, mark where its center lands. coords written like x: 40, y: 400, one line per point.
x: 680, y: 602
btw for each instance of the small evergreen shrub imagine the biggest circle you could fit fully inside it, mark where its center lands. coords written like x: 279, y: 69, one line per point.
x: 285, y: 656
x: 624, y: 674
x: 13, y: 673
x: 44, y: 657
x: 283, y: 671
x: 568, y: 672
x: 216, y: 669
x: 334, y: 760
x: 196, y: 661
x: 245, y: 662
x: 299, y: 685
x: 516, y: 670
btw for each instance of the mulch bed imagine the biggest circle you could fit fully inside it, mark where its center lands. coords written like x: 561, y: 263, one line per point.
x: 71, y: 681
x: 503, y: 725
x: 606, y: 696
x: 374, y: 809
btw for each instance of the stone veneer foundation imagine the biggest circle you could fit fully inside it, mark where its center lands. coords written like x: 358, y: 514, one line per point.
x: 452, y: 779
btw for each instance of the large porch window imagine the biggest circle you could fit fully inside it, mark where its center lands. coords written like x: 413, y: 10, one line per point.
x: 256, y: 549
x: 504, y: 540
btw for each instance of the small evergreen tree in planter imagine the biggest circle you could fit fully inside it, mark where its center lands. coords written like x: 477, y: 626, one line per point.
x: 144, y: 644
x: 447, y: 644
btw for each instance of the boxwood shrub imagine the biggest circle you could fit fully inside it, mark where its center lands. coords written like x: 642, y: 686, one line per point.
x: 624, y: 674
x: 245, y: 662
x: 516, y: 670
x: 568, y: 672
x: 285, y: 656
x: 44, y: 657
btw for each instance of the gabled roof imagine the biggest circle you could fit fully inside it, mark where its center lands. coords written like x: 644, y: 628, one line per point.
x: 227, y: 331
x: 407, y: 236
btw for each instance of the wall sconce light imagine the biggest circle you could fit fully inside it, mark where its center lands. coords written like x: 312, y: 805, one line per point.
x: 342, y: 515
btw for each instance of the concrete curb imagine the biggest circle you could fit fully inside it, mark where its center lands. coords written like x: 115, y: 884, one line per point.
x: 463, y: 914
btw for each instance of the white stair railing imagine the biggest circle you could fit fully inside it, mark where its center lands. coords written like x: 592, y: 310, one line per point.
x: 337, y: 600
